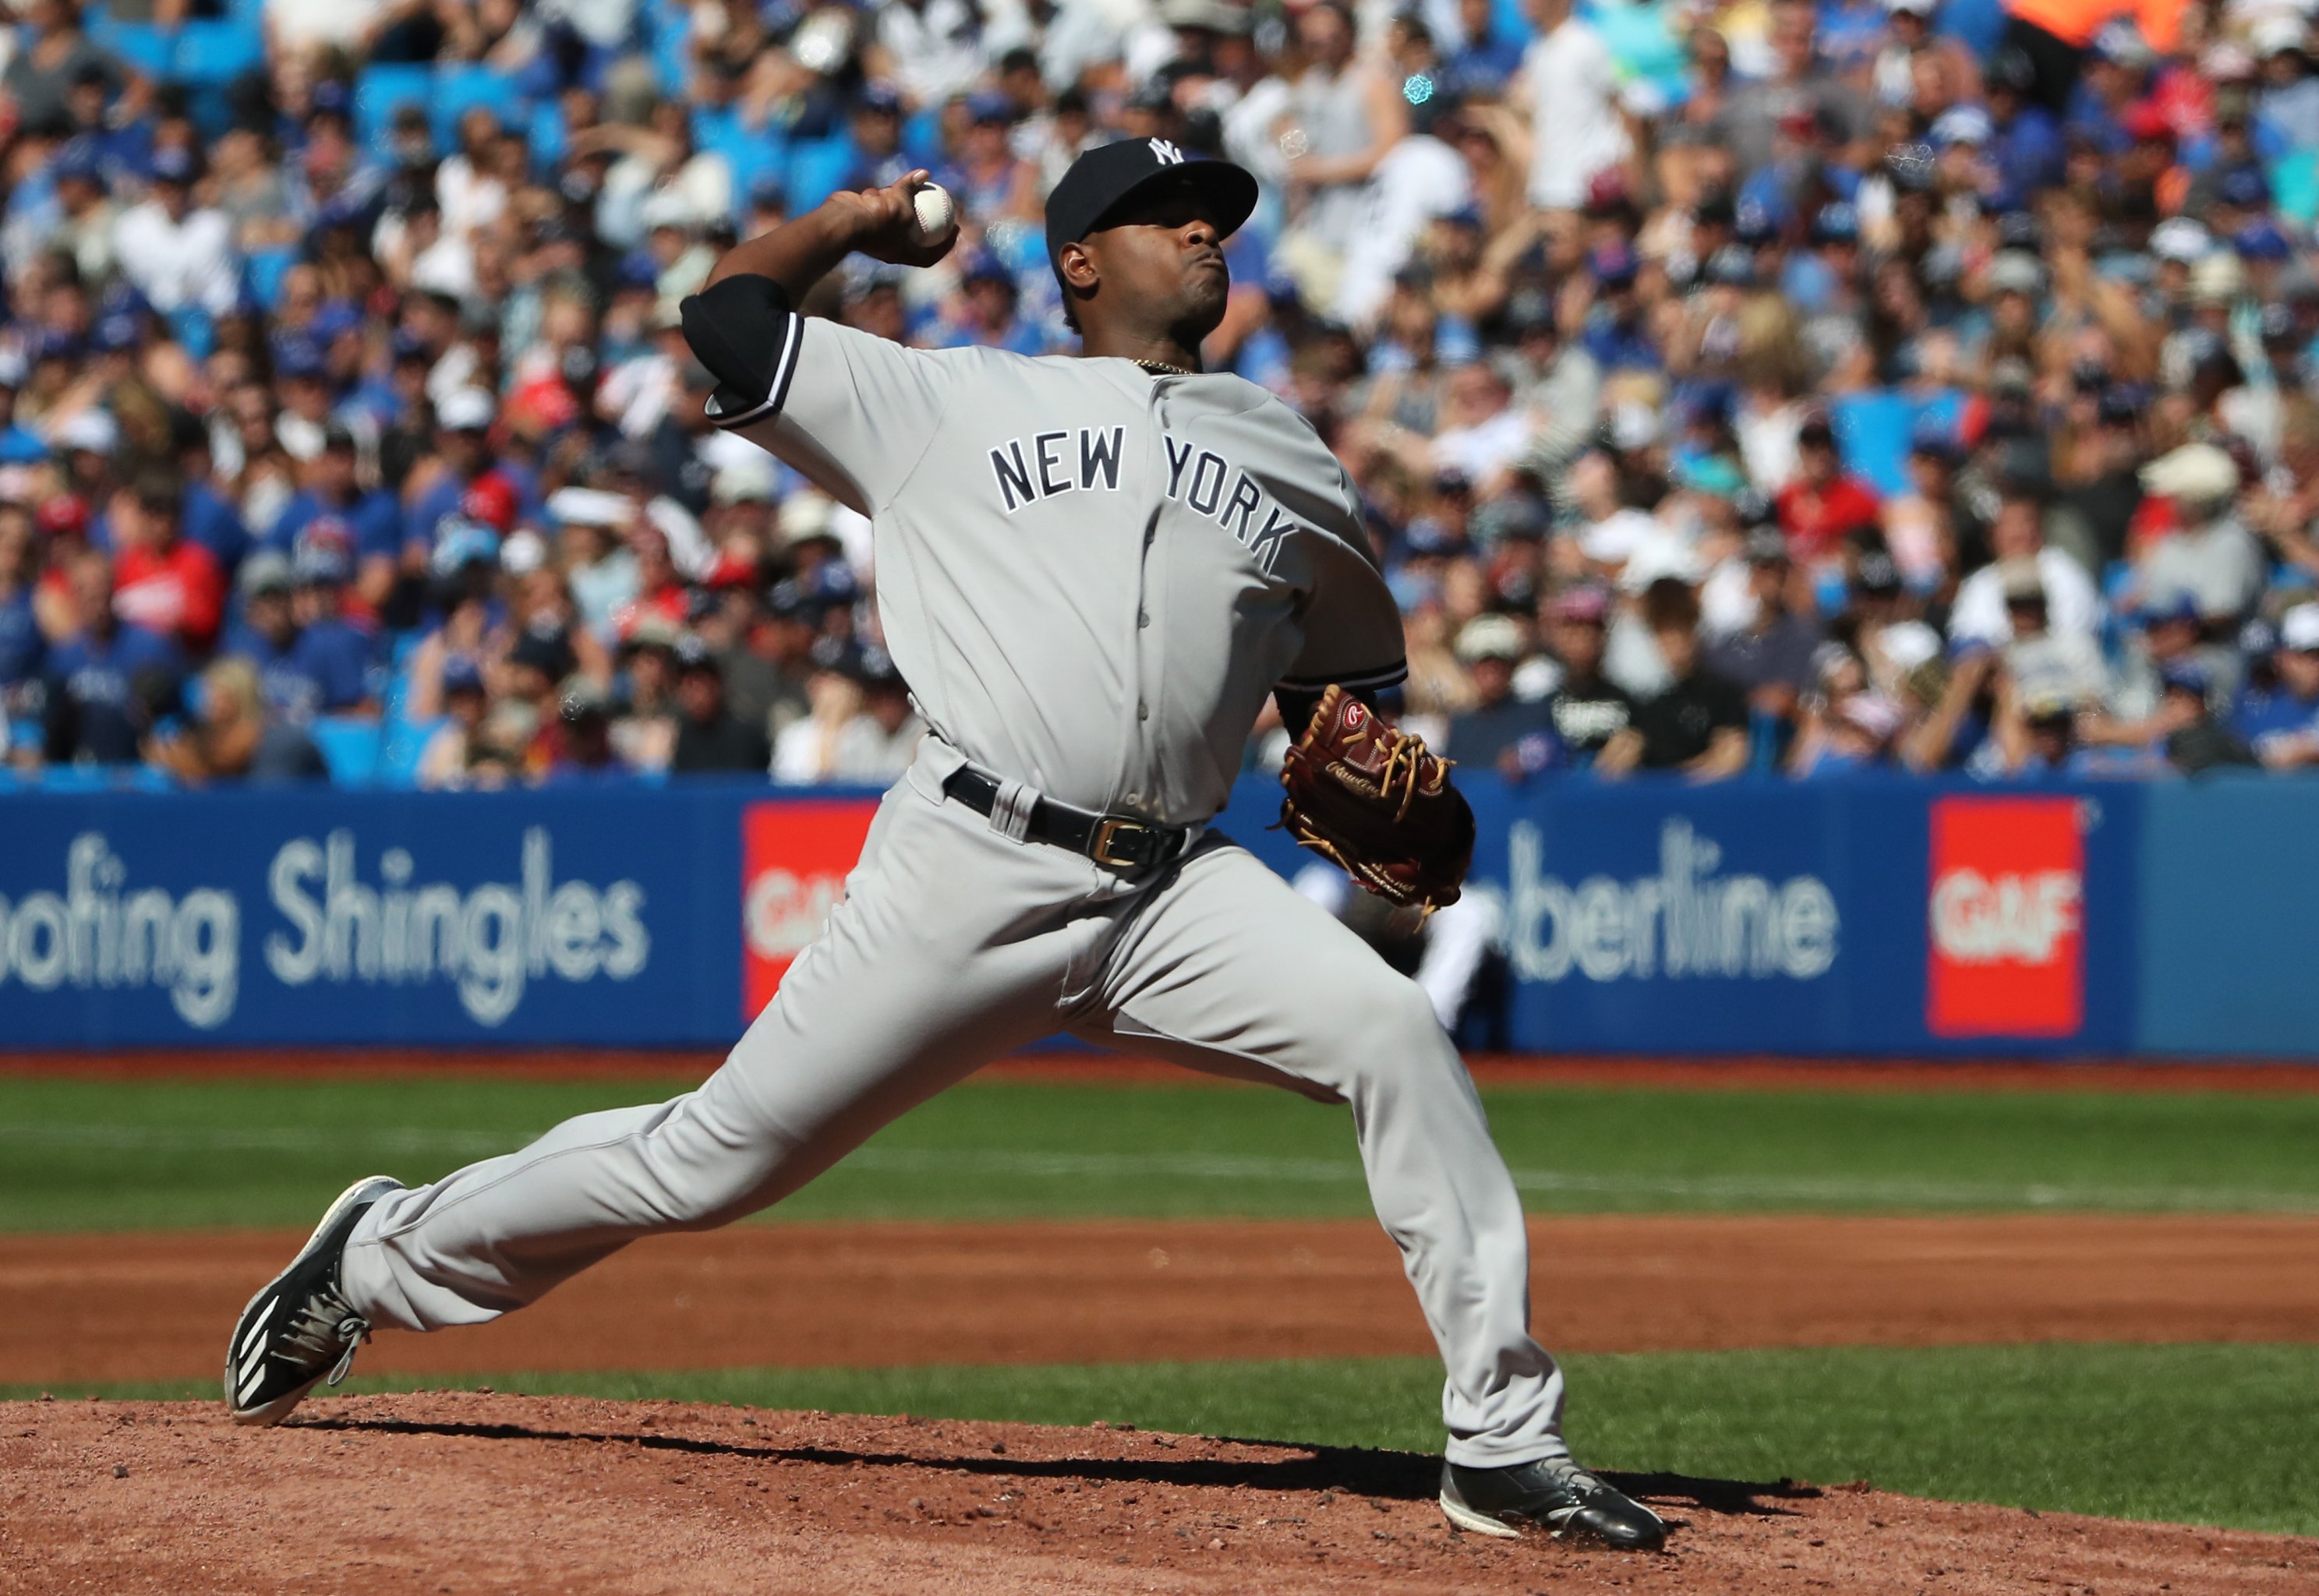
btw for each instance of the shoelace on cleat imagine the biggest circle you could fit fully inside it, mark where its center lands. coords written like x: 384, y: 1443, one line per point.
x: 325, y: 1323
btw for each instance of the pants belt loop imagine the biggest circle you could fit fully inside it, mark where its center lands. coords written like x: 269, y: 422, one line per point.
x: 1010, y: 811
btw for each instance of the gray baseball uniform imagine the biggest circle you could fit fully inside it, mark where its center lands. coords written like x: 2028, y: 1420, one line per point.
x: 1091, y: 577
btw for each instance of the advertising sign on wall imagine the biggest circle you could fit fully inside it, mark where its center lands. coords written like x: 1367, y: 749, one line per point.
x: 794, y: 857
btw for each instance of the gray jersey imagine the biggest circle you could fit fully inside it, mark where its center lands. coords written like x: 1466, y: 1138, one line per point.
x: 1089, y: 576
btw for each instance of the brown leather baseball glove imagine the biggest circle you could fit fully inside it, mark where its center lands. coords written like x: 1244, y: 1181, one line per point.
x: 1374, y: 800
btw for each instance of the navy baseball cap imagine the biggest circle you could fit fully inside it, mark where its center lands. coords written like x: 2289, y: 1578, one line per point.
x: 1104, y: 178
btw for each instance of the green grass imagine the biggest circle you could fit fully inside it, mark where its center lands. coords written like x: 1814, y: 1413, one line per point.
x: 2207, y: 1435
x: 103, y: 1155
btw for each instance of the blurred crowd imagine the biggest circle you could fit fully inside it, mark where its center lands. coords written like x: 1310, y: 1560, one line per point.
x: 1786, y: 387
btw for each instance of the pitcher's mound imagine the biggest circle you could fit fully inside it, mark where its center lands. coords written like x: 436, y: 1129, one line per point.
x: 456, y: 1492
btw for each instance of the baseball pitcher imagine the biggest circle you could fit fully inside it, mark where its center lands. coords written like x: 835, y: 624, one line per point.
x: 1091, y: 571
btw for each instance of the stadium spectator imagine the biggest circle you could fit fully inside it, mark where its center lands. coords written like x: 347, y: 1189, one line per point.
x: 2279, y: 721
x: 104, y: 674
x: 178, y: 254
x: 1769, y: 656
x: 1586, y: 710
x: 1823, y: 506
x: 2004, y: 325
x: 1500, y: 732
x: 709, y: 737
x: 230, y: 737
x: 1697, y: 723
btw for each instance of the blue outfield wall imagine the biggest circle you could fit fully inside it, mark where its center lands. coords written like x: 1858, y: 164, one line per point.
x: 1866, y: 916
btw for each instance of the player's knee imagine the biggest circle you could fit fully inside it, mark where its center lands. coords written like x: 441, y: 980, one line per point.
x: 1393, y: 1017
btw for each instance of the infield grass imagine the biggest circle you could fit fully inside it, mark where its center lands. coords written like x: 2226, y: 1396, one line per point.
x: 2203, y: 1435
x: 98, y: 1155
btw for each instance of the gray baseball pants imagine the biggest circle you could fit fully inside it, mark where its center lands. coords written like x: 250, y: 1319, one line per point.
x: 954, y: 946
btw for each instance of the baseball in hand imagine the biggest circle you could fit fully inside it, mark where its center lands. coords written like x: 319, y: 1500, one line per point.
x: 936, y: 212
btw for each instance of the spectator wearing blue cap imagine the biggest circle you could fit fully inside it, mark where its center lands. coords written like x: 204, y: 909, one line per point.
x: 2194, y: 737
x: 1618, y: 334
x: 769, y: 205
x: 105, y: 676
x: 874, y: 129
x: 1488, y: 54
x: 983, y: 313
x: 22, y: 648
x: 2279, y: 718
x: 86, y: 214
x: 993, y: 182
x: 370, y: 522
x: 310, y: 660
x: 445, y: 760
x: 179, y: 254
x: 2025, y: 142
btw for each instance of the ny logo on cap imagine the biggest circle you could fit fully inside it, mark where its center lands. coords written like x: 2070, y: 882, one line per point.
x: 1166, y: 153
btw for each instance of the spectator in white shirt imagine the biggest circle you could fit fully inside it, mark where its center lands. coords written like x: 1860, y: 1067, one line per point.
x: 2018, y: 539
x: 176, y: 253
x: 1572, y: 86
x: 1481, y: 432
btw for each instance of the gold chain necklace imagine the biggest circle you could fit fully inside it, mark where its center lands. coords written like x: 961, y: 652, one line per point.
x: 1161, y: 368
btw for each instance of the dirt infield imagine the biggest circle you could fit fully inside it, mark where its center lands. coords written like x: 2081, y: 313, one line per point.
x: 889, y: 1294
x: 444, y: 1492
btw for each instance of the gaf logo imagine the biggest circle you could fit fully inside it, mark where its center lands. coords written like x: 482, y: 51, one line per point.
x: 1683, y: 923
x: 2027, y: 918
x: 794, y: 861
x: 2007, y: 917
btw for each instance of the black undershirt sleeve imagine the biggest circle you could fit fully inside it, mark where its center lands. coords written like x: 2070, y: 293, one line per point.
x: 742, y: 330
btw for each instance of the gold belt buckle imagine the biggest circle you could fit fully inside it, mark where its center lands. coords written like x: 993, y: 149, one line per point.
x: 1110, y: 826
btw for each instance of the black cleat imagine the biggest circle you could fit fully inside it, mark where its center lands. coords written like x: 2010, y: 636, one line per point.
x: 299, y: 1329
x: 1552, y: 1493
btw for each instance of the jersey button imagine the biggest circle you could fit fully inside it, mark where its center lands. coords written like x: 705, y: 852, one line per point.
x: 1143, y: 618
x: 1142, y: 711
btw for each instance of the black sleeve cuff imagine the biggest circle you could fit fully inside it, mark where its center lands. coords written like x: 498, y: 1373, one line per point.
x: 1356, y: 683
x: 743, y: 330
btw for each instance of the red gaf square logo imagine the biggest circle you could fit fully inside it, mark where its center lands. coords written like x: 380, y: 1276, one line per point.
x: 794, y: 861
x: 2007, y: 917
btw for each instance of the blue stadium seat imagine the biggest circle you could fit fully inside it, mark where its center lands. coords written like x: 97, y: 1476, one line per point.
x: 816, y: 169
x: 547, y: 135
x: 921, y: 139
x: 263, y: 271
x: 191, y: 328
x: 351, y: 747
x: 382, y: 91
x: 405, y: 741
x: 671, y: 58
x: 459, y: 89
x: 142, y: 46
x: 750, y: 155
x: 217, y: 53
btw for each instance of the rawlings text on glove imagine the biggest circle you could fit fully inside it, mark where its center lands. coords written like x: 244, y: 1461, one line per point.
x: 1374, y: 800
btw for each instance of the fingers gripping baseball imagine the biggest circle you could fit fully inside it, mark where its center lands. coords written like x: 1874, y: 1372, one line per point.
x: 911, y: 222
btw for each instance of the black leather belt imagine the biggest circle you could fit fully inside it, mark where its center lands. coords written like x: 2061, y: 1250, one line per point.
x: 1118, y: 841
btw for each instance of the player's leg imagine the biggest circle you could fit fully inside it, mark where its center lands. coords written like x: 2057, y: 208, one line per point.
x: 1226, y: 968
x: 937, y: 960
x: 1457, y: 940
x: 945, y: 952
